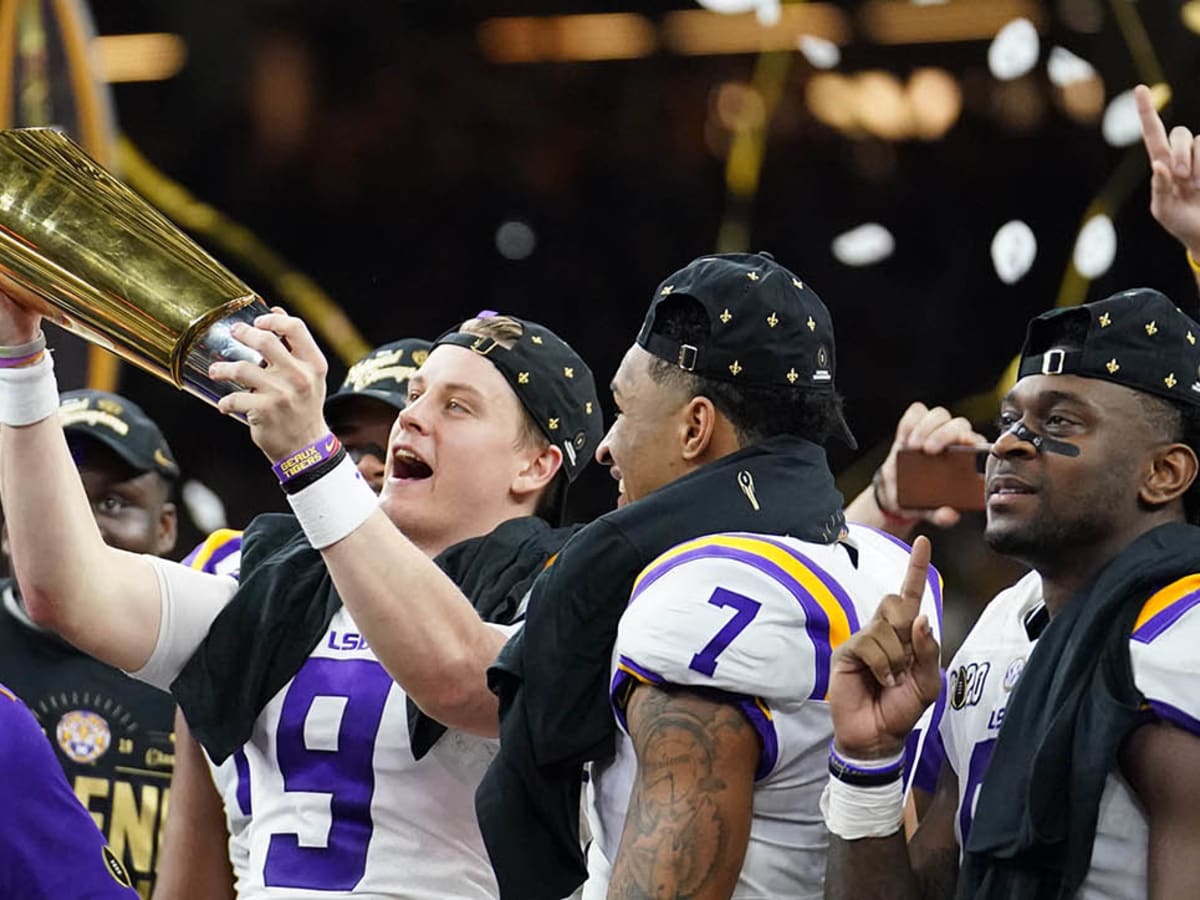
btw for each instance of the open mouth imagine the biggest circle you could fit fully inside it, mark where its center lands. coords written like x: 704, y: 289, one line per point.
x: 1006, y: 485
x: 407, y: 466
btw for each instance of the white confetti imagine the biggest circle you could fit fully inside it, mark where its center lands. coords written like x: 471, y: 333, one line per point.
x: 204, y: 506
x: 865, y: 245
x: 1121, y: 126
x: 729, y: 7
x: 1065, y: 68
x: 1014, y: 50
x: 1014, y: 248
x: 820, y: 53
x: 1096, y: 246
x: 768, y: 13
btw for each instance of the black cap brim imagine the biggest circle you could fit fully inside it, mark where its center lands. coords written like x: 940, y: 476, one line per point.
x: 124, y: 452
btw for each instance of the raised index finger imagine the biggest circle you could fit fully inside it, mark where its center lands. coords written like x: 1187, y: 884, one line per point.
x: 913, y: 588
x: 1154, y: 132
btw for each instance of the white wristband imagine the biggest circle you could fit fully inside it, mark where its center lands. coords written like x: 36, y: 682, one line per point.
x: 334, y: 505
x: 853, y: 812
x: 28, y: 394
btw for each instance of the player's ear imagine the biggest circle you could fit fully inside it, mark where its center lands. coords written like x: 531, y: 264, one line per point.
x: 698, y: 426
x: 541, y: 465
x: 1171, y: 472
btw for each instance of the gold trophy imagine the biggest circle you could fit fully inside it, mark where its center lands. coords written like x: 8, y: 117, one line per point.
x: 90, y: 255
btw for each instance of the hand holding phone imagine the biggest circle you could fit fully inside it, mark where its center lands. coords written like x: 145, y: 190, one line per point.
x: 951, y: 478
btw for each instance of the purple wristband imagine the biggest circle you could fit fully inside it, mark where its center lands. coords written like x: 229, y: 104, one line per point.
x: 863, y: 775
x: 306, y: 457
x: 19, y: 361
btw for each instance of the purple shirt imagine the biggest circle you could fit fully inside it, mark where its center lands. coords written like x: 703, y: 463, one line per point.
x: 49, y: 845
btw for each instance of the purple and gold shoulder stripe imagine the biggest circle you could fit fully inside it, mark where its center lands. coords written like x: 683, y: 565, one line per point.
x: 830, y: 616
x: 1165, y: 608
x: 217, y: 554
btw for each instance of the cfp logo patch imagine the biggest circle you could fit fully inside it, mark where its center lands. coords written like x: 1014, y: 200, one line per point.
x: 83, y: 736
x: 966, y: 684
x: 822, y: 373
x: 115, y: 869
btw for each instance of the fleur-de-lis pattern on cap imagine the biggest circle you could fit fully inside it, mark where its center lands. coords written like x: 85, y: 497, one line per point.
x: 768, y: 325
x: 554, y: 385
x: 1137, y: 338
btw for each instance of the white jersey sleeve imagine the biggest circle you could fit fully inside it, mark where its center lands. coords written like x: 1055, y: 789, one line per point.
x: 1162, y: 647
x: 738, y: 613
x: 751, y: 616
x: 190, y: 600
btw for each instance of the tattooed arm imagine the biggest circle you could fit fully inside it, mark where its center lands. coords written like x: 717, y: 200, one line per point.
x: 689, y: 815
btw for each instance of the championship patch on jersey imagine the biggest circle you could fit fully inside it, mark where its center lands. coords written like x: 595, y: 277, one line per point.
x: 966, y: 684
x: 115, y: 869
x: 83, y: 736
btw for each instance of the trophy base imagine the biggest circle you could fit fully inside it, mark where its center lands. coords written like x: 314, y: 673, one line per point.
x: 217, y: 344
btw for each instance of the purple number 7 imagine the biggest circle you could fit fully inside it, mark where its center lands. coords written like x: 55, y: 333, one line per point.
x: 705, y: 662
x: 340, y: 767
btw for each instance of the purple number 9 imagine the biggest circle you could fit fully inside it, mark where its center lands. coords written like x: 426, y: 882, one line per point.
x: 336, y: 760
x: 705, y: 662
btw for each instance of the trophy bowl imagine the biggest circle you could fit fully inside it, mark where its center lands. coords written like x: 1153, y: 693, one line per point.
x: 93, y: 257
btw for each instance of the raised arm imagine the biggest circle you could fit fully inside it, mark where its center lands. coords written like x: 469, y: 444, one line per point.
x: 688, y: 823
x: 881, y: 681
x: 418, y: 623
x: 1175, y: 182
x: 104, y: 601
x: 421, y: 627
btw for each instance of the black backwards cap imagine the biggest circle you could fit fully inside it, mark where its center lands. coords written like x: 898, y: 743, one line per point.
x: 382, y: 375
x: 120, y: 425
x: 552, y: 382
x: 1136, y: 338
x: 767, y: 328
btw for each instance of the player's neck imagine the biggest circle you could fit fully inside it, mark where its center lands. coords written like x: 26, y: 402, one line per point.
x: 1069, y: 570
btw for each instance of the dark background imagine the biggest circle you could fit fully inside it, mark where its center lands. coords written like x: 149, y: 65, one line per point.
x: 374, y: 146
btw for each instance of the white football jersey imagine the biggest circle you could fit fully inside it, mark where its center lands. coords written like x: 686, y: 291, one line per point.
x: 326, y: 799
x: 756, y: 617
x: 986, y: 668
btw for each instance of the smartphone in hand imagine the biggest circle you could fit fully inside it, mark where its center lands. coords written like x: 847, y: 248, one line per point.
x: 952, y: 478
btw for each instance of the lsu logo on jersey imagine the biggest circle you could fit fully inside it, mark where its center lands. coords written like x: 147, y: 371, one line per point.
x: 83, y: 735
x: 966, y: 684
x: 347, y: 640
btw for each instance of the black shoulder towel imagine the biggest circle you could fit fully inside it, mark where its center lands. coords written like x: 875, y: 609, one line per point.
x: 552, y: 678
x: 286, y: 600
x: 1032, y: 835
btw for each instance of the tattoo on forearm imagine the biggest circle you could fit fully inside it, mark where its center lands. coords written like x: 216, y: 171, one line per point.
x: 675, y: 830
